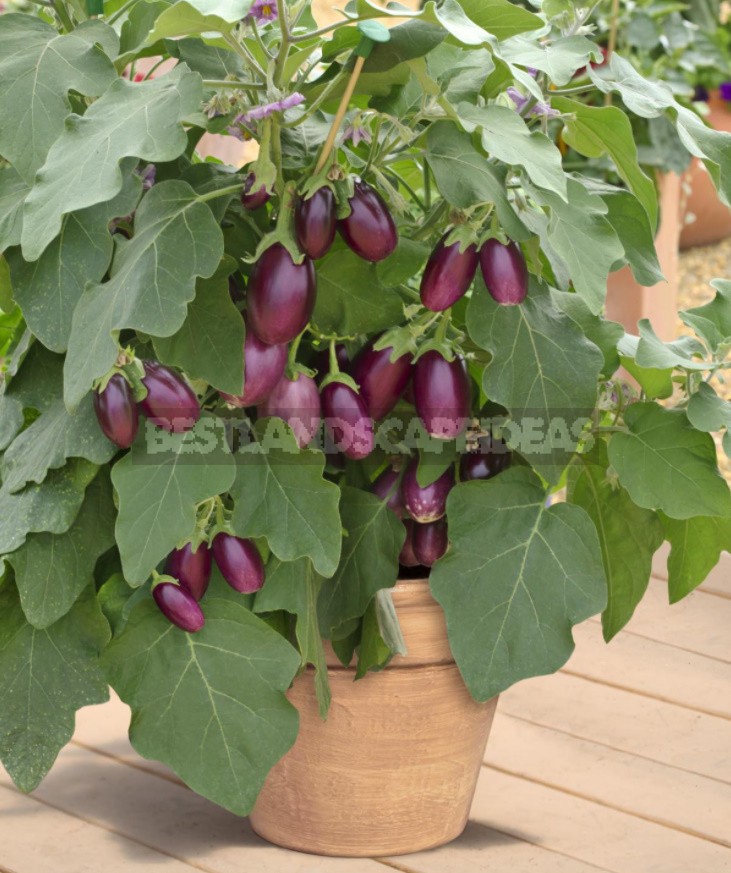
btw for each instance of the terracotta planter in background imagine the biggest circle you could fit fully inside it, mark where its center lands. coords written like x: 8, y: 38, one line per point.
x: 627, y: 300
x: 712, y: 218
x: 393, y: 769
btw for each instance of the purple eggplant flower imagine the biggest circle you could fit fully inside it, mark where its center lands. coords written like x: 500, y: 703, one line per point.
x: 263, y: 11
x: 356, y: 134
x: 521, y: 101
x: 724, y: 89
x: 257, y: 113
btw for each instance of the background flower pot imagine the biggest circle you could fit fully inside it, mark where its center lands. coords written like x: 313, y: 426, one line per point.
x: 712, y: 218
x: 627, y: 300
x: 394, y: 768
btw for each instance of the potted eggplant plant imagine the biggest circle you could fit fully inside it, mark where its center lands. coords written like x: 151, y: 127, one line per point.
x: 268, y: 430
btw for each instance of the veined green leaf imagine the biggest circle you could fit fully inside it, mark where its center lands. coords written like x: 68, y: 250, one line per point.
x: 695, y: 549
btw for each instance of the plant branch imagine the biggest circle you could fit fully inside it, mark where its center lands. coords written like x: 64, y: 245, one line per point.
x: 340, y: 114
x: 236, y: 85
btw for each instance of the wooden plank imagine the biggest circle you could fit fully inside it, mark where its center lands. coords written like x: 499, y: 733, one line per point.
x: 168, y: 817
x: 481, y: 849
x: 635, y: 785
x: 36, y: 839
x: 718, y: 581
x: 590, y: 832
x: 652, y: 729
x: 698, y: 623
x: 655, y: 669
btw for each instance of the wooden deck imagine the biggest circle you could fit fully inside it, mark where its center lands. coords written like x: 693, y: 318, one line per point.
x: 620, y: 763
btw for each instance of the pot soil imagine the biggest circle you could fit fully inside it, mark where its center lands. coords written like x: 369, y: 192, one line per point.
x: 394, y: 767
x: 627, y: 301
x: 712, y: 218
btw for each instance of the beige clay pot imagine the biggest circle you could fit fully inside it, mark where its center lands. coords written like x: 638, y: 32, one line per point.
x: 394, y: 768
x: 627, y: 301
x: 712, y: 217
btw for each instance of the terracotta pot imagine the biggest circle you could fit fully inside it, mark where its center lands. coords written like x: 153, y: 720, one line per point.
x: 627, y: 300
x: 711, y: 218
x: 394, y: 768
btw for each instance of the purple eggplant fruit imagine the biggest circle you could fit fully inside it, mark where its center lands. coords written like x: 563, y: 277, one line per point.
x: 407, y: 558
x: 347, y: 420
x: 442, y: 394
x: 170, y: 403
x: 191, y: 568
x: 298, y: 404
x: 504, y: 271
x: 428, y: 503
x: 315, y: 222
x: 369, y: 230
x: 179, y: 606
x: 387, y: 487
x: 116, y: 411
x: 430, y: 541
x: 381, y: 381
x: 448, y: 274
x: 491, y: 457
x: 239, y: 562
x: 281, y: 296
x: 264, y: 366
x: 253, y: 196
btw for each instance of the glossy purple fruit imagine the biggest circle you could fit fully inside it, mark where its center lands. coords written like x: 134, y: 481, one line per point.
x: 179, y: 606
x: 281, y: 296
x: 191, y: 568
x: 239, y: 562
x: 256, y: 198
x: 504, y: 271
x: 387, y: 488
x: 407, y: 558
x: 347, y: 420
x: 381, y: 381
x: 428, y: 503
x: 442, y: 394
x: 315, y: 222
x: 264, y: 366
x: 369, y: 230
x: 116, y: 411
x: 487, y: 460
x: 170, y: 403
x: 430, y: 541
x: 298, y: 403
x: 448, y: 274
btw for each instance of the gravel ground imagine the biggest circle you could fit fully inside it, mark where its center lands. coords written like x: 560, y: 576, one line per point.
x: 697, y: 268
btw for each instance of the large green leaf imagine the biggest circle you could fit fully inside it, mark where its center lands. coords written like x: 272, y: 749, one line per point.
x: 465, y: 178
x: 506, y: 136
x: 38, y: 67
x: 56, y: 434
x: 210, y: 705
x: 560, y: 58
x: 51, y: 506
x: 653, y: 354
x: 710, y: 413
x: 369, y: 561
x: 501, y: 18
x: 198, y: 17
x: 48, y: 290
x: 631, y: 223
x: 11, y: 419
x: 650, y: 99
x: 695, y: 549
x: 51, y: 570
x: 628, y: 535
x: 210, y: 344
x: 293, y: 586
x: 516, y: 579
x: 712, y: 321
x: 280, y: 494
x: 159, y: 482
x: 140, y: 119
x: 151, y: 282
x: 664, y: 463
x: 597, y: 329
x: 45, y: 676
x: 598, y: 130
x: 580, y: 233
x: 543, y: 370
x: 351, y: 299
